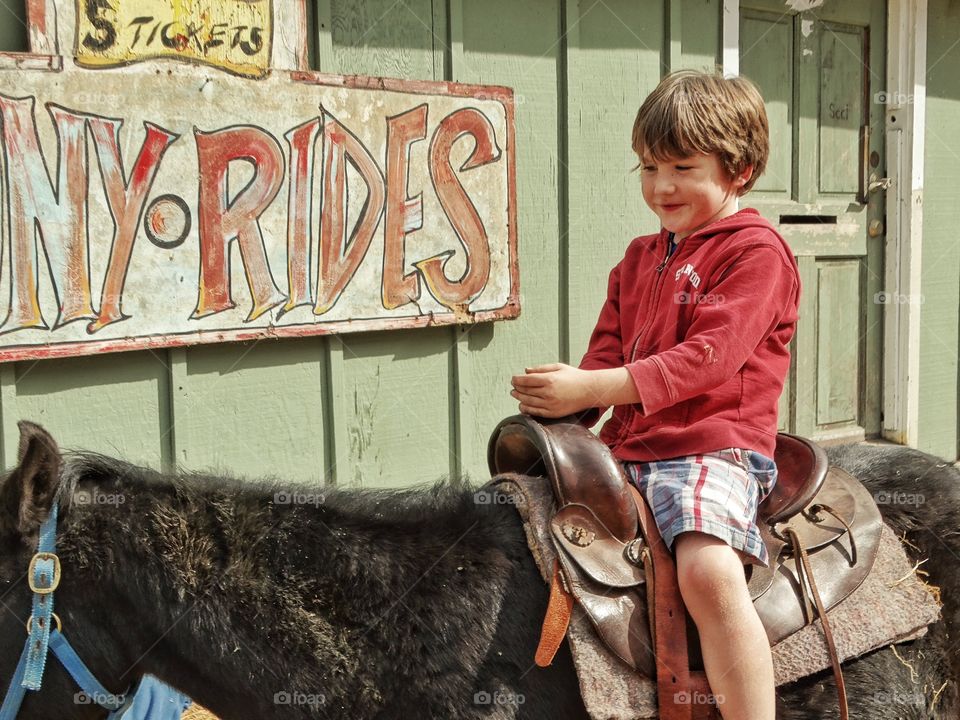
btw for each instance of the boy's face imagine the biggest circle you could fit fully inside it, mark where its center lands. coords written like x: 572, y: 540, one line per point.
x: 687, y: 193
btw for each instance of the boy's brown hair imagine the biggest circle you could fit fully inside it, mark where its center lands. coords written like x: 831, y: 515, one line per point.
x: 692, y: 112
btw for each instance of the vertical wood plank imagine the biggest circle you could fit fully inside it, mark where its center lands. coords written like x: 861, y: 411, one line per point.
x: 518, y: 45
x: 702, y: 47
x: 838, y: 342
x: 108, y: 404
x: 394, y: 408
x: 841, y: 109
x: 252, y: 409
x: 876, y: 240
x: 337, y: 435
x: 326, y: 58
x: 383, y: 38
x: 805, y: 346
x: 392, y: 391
x: 618, y: 40
x: 462, y: 401
x: 570, y: 17
x: 807, y: 32
x: 9, y: 415
x: 674, y: 34
x: 176, y: 359
x: 767, y: 42
x: 788, y: 397
x: 940, y: 293
x: 442, y: 45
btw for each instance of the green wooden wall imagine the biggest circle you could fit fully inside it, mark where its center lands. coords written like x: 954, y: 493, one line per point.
x: 940, y: 264
x: 399, y: 407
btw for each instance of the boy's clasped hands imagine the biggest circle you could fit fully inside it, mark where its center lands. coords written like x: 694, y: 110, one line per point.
x: 553, y: 390
x: 556, y: 389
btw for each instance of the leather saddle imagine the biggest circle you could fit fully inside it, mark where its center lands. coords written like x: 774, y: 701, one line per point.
x: 820, y: 525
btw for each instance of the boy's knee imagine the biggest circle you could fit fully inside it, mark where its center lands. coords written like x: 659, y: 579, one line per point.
x: 710, y: 574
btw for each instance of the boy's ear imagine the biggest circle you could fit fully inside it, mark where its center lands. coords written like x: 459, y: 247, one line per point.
x: 29, y: 490
x: 743, y: 177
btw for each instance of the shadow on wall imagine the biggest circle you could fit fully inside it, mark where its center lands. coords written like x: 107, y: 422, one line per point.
x: 13, y: 26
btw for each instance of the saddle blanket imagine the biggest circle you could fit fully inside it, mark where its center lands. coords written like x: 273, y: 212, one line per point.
x: 892, y: 605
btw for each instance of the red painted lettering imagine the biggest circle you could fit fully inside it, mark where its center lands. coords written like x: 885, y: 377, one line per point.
x: 340, y: 258
x: 57, y: 214
x: 403, y: 214
x: 299, y: 213
x: 126, y: 201
x: 222, y: 222
x: 459, y: 208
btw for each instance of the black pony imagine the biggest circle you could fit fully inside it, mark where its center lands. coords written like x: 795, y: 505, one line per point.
x: 264, y: 601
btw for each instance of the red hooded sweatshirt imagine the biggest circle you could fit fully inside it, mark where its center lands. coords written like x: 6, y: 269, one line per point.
x: 704, y: 333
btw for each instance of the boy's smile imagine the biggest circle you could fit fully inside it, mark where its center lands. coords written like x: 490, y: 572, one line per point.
x: 688, y: 193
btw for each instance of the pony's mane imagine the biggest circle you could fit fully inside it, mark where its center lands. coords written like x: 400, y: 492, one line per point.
x: 450, y: 496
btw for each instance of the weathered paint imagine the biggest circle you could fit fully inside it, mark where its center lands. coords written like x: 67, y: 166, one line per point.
x: 411, y: 405
x: 820, y: 69
x: 410, y: 183
x: 235, y: 35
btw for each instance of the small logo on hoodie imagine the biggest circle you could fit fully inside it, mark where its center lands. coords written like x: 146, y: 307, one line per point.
x: 689, y: 271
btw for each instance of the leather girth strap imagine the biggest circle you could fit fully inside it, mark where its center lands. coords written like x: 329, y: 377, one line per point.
x: 805, y: 574
x: 682, y: 693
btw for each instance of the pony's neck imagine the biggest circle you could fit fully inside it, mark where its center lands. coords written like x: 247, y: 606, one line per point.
x: 311, y: 602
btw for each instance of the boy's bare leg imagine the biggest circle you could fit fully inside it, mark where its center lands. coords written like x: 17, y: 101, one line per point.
x: 736, y: 652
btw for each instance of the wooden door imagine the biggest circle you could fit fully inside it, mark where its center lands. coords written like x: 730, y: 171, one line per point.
x: 821, y: 72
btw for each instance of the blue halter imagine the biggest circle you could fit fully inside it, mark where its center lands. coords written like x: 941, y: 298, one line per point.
x: 152, y: 700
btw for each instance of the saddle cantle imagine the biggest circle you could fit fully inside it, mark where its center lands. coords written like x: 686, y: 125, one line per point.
x: 818, y: 522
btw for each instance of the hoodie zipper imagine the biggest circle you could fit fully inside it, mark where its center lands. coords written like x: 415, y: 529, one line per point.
x: 656, y: 291
x: 667, y: 259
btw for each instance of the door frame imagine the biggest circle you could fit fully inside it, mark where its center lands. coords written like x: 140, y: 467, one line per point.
x: 904, y: 145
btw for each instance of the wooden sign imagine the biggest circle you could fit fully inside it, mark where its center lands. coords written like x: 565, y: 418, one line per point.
x: 163, y: 200
x: 235, y: 36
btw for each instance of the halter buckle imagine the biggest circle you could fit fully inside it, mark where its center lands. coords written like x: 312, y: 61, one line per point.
x: 40, y: 556
x: 56, y: 621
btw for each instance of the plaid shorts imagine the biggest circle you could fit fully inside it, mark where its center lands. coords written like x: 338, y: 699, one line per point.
x: 716, y: 493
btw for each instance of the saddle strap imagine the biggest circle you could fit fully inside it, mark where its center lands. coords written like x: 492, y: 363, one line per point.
x: 681, y: 693
x: 555, y: 621
x: 815, y: 510
x: 806, y: 573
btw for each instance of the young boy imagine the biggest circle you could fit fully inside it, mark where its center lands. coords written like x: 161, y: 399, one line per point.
x: 691, y: 349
